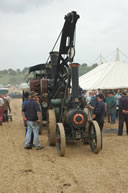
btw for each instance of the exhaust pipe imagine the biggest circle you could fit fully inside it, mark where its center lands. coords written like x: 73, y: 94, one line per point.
x: 75, y: 82
x: 54, y: 60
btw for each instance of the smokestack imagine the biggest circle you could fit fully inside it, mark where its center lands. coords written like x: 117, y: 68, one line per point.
x: 75, y: 82
x: 54, y: 60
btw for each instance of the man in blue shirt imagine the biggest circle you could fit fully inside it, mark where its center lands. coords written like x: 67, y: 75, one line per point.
x: 26, y: 99
x: 31, y: 114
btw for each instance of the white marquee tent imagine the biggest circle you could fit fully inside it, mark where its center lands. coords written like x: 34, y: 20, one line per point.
x: 112, y: 75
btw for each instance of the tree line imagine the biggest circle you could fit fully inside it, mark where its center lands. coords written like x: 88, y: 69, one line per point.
x: 13, y: 72
x: 14, y: 77
x: 84, y: 68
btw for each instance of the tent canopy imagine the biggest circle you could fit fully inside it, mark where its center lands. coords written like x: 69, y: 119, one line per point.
x: 112, y: 75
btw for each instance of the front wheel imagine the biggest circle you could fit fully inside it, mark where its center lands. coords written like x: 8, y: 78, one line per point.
x: 51, y: 127
x: 94, y: 135
x: 60, y: 139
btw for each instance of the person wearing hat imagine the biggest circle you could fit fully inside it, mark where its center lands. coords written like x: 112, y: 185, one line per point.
x: 123, y: 113
x: 31, y: 114
x: 99, y: 111
x: 25, y: 101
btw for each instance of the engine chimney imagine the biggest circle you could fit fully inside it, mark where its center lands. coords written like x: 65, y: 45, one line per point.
x: 75, y: 82
x: 54, y: 60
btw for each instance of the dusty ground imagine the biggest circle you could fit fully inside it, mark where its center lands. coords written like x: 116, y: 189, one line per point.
x: 80, y: 171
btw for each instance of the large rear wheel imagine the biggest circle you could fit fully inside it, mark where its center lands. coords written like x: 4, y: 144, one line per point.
x: 51, y: 127
x: 94, y: 137
x: 60, y: 139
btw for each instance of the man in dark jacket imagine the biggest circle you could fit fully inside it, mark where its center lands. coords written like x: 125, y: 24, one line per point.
x: 123, y: 113
x: 99, y: 111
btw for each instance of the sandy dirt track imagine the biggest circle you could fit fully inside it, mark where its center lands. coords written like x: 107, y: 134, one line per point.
x: 80, y: 171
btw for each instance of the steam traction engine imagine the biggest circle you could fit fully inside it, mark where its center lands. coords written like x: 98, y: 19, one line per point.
x: 61, y: 99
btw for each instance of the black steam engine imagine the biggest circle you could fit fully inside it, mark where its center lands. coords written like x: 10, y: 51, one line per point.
x: 61, y: 98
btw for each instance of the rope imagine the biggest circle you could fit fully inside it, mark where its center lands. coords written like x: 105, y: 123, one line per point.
x: 94, y: 61
x: 123, y: 54
x: 112, y: 54
x: 54, y: 46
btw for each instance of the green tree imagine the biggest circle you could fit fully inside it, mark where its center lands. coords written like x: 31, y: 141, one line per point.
x: 11, y: 71
x: 84, y: 65
x: 94, y: 65
x: 3, y: 72
x: 25, y: 70
x: 18, y: 70
x: 84, y: 68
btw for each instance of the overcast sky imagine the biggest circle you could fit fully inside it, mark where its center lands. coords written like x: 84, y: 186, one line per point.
x: 29, y: 29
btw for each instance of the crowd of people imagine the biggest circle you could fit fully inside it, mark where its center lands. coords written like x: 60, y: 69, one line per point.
x: 101, y: 104
x: 112, y: 105
x: 4, y: 108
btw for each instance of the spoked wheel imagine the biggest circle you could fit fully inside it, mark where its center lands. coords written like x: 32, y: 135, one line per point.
x: 94, y: 136
x: 51, y: 127
x: 60, y: 139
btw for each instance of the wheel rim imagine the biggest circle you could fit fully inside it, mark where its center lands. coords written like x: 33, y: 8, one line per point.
x: 60, y: 139
x: 51, y: 127
x: 94, y: 137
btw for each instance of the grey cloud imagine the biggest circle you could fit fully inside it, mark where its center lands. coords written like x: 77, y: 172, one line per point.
x: 19, y: 6
x: 30, y: 29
